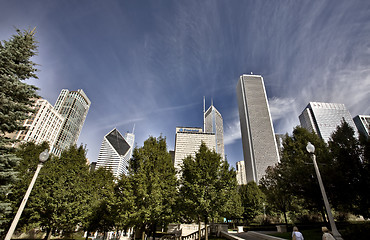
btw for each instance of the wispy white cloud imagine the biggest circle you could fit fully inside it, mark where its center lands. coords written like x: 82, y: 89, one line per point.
x: 232, y: 132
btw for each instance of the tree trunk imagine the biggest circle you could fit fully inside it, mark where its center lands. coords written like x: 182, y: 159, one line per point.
x: 48, y: 234
x: 199, y: 229
x: 154, y: 229
x: 206, y: 228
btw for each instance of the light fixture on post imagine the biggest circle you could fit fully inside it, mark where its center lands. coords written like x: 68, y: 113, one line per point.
x: 42, y: 158
x: 311, y: 150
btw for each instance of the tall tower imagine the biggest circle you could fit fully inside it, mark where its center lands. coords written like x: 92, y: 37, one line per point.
x: 323, y: 118
x: 363, y: 124
x: 73, y: 106
x: 115, y: 152
x: 258, y: 138
x: 213, y: 123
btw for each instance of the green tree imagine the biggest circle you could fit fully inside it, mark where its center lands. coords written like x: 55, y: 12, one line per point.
x: 204, y: 184
x: 296, y: 168
x: 15, y: 95
x: 153, y: 180
x: 277, y: 191
x: 252, y: 200
x: 364, y: 205
x: 102, y: 211
x: 346, y: 169
x: 60, y: 198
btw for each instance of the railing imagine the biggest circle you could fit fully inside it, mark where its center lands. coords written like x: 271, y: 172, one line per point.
x: 195, y: 235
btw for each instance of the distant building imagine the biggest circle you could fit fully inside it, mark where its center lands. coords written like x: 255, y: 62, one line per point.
x: 363, y: 124
x: 73, y: 106
x: 188, y: 141
x: 279, y: 143
x: 324, y: 118
x: 241, y: 175
x: 258, y: 137
x: 115, y: 152
x: 213, y: 123
x: 42, y: 125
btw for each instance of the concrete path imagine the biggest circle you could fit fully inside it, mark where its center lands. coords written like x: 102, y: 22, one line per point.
x: 250, y: 235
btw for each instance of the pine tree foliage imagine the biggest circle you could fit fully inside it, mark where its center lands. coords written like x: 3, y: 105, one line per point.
x: 252, y: 200
x: 15, y: 101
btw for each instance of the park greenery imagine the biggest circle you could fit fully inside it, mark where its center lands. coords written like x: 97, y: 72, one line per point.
x: 68, y: 197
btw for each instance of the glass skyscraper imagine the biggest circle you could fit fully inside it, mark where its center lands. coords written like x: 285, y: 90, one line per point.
x: 363, y: 124
x: 324, y: 118
x: 258, y: 137
x: 73, y: 106
x: 213, y: 123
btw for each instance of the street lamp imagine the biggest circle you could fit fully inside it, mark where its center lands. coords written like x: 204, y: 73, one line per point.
x: 311, y: 149
x: 42, y: 157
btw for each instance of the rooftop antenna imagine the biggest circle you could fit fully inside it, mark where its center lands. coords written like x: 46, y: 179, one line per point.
x: 204, y: 113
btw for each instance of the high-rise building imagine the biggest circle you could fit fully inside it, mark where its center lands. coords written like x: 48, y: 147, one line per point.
x: 258, y: 137
x: 42, y: 125
x: 363, y: 124
x: 213, y: 123
x: 324, y: 118
x: 73, y: 106
x: 115, y: 152
x: 241, y: 175
x: 188, y: 141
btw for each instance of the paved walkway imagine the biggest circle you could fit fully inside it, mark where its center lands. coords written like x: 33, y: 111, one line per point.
x: 254, y: 236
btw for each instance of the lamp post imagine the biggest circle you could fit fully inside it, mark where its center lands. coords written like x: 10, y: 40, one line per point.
x: 311, y: 149
x: 42, y: 157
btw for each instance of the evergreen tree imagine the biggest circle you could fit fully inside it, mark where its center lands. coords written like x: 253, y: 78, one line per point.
x: 297, y: 171
x: 153, y: 181
x: 364, y: 205
x: 347, y: 168
x: 15, y: 67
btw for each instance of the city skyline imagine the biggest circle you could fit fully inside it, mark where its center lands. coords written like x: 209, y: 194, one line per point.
x: 150, y: 63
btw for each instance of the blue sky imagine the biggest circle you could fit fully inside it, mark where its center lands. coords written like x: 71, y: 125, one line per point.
x: 150, y: 63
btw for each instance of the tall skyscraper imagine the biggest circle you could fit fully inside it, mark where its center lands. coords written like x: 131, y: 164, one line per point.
x: 115, y: 152
x: 258, y: 137
x: 42, y: 125
x: 73, y: 106
x: 241, y: 176
x: 188, y: 141
x: 363, y: 124
x: 213, y: 123
x: 324, y: 118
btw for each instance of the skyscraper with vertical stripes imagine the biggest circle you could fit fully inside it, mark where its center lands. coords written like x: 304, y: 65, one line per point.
x: 115, y: 152
x: 213, y: 123
x: 73, y: 106
x: 258, y: 137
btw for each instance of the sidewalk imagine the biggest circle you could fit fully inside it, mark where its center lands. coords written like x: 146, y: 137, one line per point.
x: 250, y: 235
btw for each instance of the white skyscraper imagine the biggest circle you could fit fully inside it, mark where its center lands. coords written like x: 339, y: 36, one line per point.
x: 241, y: 175
x: 258, y: 137
x: 213, y: 123
x: 363, y: 124
x: 42, y: 125
x: 115, y: 152
x: 73, y: 106
x: 324, y: 118
x: 188, y: 141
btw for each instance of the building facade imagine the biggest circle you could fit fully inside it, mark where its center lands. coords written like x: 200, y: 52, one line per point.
x: 42, y: 125
x: 213, y: 123
x: 188, y: 141
x: 73, y: 106
x: 258, y: 137
x: 362, y: 123
x: 241, y: 176
x: 115, y: 152
x: 324, y: 118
